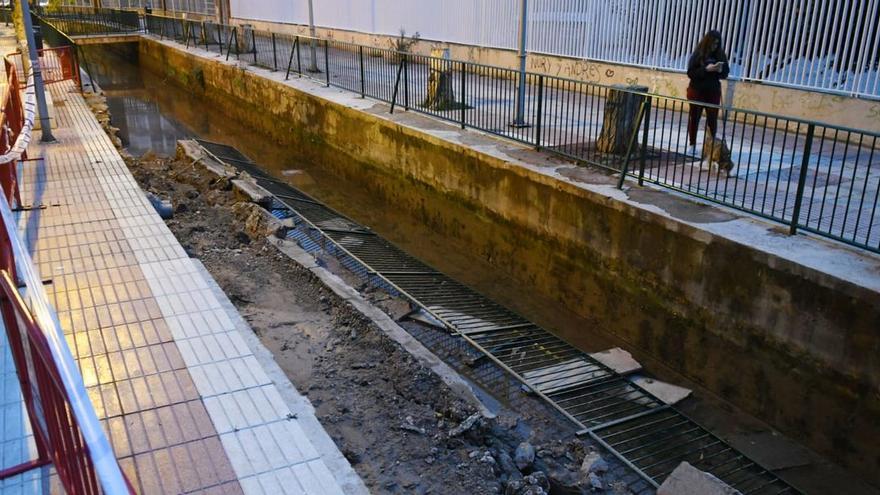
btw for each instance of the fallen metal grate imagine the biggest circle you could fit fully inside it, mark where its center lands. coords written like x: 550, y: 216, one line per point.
x: 647, y: 435
x: 654, y: 444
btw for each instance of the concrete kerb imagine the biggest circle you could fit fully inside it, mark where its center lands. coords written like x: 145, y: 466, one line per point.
x: 299, y: 405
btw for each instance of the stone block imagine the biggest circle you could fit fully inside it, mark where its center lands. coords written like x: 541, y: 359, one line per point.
x: 688, y: 480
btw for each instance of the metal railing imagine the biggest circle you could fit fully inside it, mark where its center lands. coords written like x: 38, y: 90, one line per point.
x: 79, y: 21
x: 66, y: 431
x: 57, y: 64
x: 806, y: 175
x: 825, y: 45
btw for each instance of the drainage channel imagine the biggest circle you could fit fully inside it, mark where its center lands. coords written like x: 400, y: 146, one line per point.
x: 646, y: 435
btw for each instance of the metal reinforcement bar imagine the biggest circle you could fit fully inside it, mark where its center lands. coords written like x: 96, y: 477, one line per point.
x: 648, y: 436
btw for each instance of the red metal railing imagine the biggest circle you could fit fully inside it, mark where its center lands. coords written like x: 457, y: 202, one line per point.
x: 56, y: 433
x: 66, y: 430
x: 11, y: 124
x: 56, y: 64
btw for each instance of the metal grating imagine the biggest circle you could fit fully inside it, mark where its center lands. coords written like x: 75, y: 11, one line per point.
x: 648, y: 436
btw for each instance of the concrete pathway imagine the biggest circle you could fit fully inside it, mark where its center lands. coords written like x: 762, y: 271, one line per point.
x: 174, y: 378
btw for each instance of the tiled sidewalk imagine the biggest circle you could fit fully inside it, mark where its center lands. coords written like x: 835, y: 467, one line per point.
x: 186, y: 404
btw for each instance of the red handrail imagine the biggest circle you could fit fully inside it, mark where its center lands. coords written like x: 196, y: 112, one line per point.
x: 65, y: 427
x: 57, y: 435
x: 11, y: 124
x: 56, y: 64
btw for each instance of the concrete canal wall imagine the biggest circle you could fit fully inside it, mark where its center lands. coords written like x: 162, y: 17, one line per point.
x: 765, y: 328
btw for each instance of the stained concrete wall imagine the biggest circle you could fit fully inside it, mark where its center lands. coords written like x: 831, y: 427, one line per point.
x: 858, y: 113
x: 796, y: 347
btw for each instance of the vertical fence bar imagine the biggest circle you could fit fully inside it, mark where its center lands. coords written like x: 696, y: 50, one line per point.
x: 396, y: 85
x: 299, y: 68
x: 232, y: 39
x: 363, y: 79
x: 463, y: 86
x: 632, y: 139
x: 327, y: 61
x: 293, y: 48
x: 205, y: 36
x: 539, y: 118
x: 406, y: 82
x: 274, y: 53
x: 644, y: 155
x: 802, y: 179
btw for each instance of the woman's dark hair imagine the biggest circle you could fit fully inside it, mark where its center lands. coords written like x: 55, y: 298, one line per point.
x: 704, y: 47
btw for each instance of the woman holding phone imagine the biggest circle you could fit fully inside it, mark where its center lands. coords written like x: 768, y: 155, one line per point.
x: 706, y: 68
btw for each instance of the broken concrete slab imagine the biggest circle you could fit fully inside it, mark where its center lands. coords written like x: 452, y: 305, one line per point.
x: 250, y: 190
x: 618, y: 360
x: 670, y: 394
x: 193, y: 152
x: 688, y: 480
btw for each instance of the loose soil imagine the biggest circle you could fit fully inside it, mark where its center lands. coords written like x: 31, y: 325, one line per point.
x: 395, y: 420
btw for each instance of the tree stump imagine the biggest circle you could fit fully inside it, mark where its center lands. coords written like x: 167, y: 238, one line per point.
x: 440, y: 95
x: 620, y: 120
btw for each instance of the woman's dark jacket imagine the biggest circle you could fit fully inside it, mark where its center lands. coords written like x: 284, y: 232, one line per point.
x: 703, y: 81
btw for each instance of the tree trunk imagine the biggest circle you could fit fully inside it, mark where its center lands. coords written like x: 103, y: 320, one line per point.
x: 440, y: 95
x: 620, y: 120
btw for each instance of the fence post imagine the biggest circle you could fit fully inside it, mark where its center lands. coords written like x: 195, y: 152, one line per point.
x: 293, y: 49
x: 233, y: 40
x: 205, y: 35
x: 299, y: 68
x: 327, y: 61
x: 629, y: 147
x: 220, y: 37
x: 406, y: 82
x: 644, y: 155
x: 363, y: 79
x: 396, y: 85
x: 463, y: 86
x: 802, y: 179
x: 539, y: 118
x: 274, y: 53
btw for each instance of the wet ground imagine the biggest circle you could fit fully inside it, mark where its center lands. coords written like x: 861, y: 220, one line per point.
x: 152, y: 115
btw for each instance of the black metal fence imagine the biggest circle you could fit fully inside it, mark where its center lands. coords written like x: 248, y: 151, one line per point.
x: 79, y: 21
x: 806, y: 175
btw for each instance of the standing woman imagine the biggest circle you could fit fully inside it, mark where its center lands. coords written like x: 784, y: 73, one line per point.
x: 706, y: 68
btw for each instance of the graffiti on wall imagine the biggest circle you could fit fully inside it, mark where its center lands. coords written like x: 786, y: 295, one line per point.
x: 582, y: 70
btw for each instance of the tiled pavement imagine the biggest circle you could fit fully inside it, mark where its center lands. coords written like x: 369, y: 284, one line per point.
x: 186, y: 404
